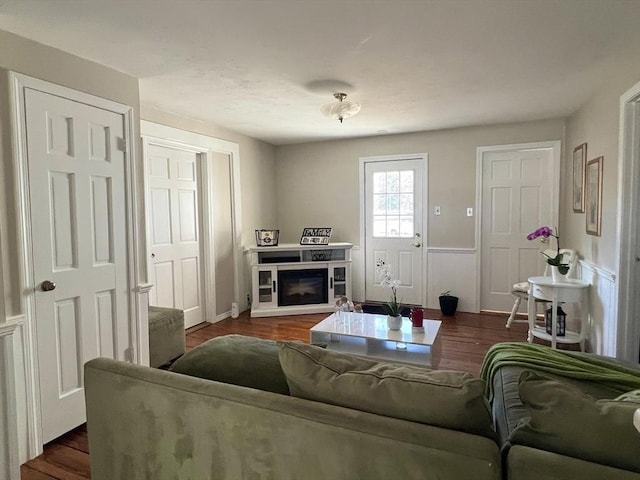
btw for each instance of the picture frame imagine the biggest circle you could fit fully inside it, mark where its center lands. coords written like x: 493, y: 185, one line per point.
x: 593, y: 196
x: 267, y: 238
x: 315, y: 236
x: 579, y: 178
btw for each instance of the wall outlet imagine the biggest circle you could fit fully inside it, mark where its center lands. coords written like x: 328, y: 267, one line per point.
x: 470, y: 212
x: 436, y: 210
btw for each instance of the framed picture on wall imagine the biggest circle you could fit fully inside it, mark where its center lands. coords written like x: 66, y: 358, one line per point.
x: 579, y: 163
x: 593, y: 196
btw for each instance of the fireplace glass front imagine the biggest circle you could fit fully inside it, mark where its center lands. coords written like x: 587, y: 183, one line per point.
x: 303, y: 287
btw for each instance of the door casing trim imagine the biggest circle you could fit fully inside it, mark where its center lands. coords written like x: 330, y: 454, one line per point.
x: 424, y: 157
x: 18, y: 84
x: 206, y: 146
x: 555, y: 146
x: 628, y: 331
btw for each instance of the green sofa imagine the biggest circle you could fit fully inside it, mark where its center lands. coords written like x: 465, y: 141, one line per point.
x: 242, y: 408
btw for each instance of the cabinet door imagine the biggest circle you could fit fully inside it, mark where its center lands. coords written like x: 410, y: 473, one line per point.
x: 265, y: 293
x: 339, y: 284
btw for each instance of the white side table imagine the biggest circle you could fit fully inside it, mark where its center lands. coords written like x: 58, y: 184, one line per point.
x: 567, y: 291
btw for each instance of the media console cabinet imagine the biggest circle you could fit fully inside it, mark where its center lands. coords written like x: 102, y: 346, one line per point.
x: 291, y: 279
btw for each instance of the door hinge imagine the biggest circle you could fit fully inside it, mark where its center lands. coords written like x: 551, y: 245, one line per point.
x: 122, y: 144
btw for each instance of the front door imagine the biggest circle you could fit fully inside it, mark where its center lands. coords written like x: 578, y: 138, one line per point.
x: 517, y: 193
x: 77, y: 198
x: 394, y: 227
x: 176, y: 270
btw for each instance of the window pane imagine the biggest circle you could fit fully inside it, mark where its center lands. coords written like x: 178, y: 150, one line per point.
x: 379, y: 204
x: 379, y: 182
x: 393, y: 182
x: 406, y: 181
x: 406, y: 204
x: 393, y: 226
x: 379, y: 226
x: 393, y: 204
x: 406, y: 227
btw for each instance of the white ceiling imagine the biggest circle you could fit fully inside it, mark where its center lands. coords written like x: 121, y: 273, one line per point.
x: 258, y: 66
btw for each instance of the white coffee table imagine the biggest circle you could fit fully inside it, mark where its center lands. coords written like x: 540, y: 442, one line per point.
x: 367, y: 335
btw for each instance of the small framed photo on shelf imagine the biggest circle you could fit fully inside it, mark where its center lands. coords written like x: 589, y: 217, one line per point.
x: 315, y: 236
x: 593, y: 196
x: 579, y: 164
x: 267, y: 238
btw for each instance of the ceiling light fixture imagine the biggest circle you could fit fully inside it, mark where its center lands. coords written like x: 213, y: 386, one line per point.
x: 341, y: 109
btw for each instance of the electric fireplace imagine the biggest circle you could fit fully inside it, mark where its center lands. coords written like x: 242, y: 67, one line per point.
x: 303, y: 287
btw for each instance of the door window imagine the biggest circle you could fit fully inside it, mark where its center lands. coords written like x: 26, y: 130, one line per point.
x: 393, y: 204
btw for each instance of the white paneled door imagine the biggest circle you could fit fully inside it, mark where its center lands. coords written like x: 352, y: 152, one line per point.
x: 393, y: 227
x: 77, y: 198
x: 517, y: 198
x: 176, y: 268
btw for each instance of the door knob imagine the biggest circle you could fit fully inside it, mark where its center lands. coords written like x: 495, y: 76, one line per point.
x: 153, y: 255
x: 47, y: 286
x: 417, y: 245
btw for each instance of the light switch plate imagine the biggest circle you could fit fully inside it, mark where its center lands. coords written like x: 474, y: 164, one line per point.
x: 469, y: 211
x: 436, y: 210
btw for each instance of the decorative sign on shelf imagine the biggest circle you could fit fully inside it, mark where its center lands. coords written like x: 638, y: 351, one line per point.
x: 267, y: 238
x: 315, y: 236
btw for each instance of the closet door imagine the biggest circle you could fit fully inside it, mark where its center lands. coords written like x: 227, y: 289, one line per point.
x: 78, y: 221
x: 174, y: 220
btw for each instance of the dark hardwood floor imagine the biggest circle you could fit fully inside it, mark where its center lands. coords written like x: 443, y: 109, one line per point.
x: 465, y: 339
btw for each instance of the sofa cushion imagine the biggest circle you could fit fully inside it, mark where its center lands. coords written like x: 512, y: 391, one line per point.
x: 446, y: 399
x: 507, y: 408
x: 565, y: 420
x: 236, y: 359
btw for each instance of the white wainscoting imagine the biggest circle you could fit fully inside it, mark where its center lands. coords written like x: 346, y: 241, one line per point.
x: 20, y: 344
x: 453, y: 269
x: 603, y: 328
x: 13, y: 441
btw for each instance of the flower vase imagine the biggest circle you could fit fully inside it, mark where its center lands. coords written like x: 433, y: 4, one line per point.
x: 556, y: 276
x: 394, y: 323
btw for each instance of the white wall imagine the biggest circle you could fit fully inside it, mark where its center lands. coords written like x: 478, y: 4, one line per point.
x: 318, y: 186
x: 597, y: 124
x: 318, y: 182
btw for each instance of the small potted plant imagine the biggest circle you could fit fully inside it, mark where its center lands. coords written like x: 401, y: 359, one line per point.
x: 392, y: 308
x: 448, y: 303
x: 559, y: 269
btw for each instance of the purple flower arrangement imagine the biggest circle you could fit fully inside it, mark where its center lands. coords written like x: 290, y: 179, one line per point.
x: 546, y: 232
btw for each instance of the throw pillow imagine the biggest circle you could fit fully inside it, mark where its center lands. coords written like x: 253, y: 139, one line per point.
x: 567, y: 421
x: 236, y: 359
x: 445, y: 399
